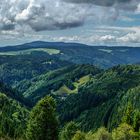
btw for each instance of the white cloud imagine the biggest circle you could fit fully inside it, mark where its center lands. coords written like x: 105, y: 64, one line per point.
x: 119, y: 4
x: 107, y: 38
x: 122, y: 36
x: 138, y: 9
x: 41, y: 14
x: 132, y: 37
x: 24, y: 19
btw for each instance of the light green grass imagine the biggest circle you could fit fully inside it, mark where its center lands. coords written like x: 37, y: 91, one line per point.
x: 106, y: 50
x: 124, y: 50
x: 65, y: 90
x: 81, y: 81
x: 84, y: 79
x: 28, y: 51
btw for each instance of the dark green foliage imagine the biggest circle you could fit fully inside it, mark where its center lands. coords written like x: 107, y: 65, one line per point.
x: 14, y: 95
x: 102, y: 134
x: 23, y: 67
x: 50, y: 82
x: 122, y: 132
x: 19, y: 68
x: 79, y: 136
x: 107, y: 98
x: 13, y: 117
x: 69, y: 131
x: 43, y: 123
x: 136, y: 120
x: 127, y: 118
x: 104, y: 99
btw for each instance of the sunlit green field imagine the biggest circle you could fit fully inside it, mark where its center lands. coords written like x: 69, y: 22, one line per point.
x: 29, y: 51
x: 65, y: 90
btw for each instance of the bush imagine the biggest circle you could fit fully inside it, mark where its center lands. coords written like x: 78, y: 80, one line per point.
x: 124, y: 132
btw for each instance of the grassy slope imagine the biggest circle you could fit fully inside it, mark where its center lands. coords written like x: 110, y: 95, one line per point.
x: 65, y: 90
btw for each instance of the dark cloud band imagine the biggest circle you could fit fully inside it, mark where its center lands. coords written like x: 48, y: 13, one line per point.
x: 101, y: 2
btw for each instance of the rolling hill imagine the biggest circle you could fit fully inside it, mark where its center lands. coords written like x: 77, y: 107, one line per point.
x: 86, y: 94
x: 102, y: 56
x: 59, y: 83
x: 15, y: 68
x: 104, y: 99
x: 24, y: 62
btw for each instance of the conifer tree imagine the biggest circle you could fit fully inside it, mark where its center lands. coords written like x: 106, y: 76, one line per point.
x: 43, y: 123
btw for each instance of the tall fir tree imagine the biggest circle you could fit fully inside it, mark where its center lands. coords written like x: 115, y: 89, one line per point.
x: 43, y: 122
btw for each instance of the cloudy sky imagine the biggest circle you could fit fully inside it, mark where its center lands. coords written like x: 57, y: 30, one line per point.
x: 96, y: 22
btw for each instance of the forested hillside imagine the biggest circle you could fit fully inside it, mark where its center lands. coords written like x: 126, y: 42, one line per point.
x: 16, y: 68
x: 59, y: 83
x: 23, y: 63
x: 105, y: 99
x: 100, y: 98
x: 13, y: 117
x: 51, y: 91
x: 9, y: 92
x: 102, y: 56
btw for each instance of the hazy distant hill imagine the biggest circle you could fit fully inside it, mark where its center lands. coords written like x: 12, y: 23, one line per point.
x: 26, y: 61
x: 79, y: 53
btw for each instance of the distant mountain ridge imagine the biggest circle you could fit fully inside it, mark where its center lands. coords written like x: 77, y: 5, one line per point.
x: 55, y: 44
x: 24, y: 62
x: 102, y: 56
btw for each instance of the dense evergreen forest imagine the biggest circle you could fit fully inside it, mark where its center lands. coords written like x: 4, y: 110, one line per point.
x: 59, y: 93
x: 99, y: 104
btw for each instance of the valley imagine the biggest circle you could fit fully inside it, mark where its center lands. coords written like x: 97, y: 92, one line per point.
x: 93, y: 88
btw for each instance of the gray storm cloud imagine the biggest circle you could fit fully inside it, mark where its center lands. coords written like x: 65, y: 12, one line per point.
x: 100, y: 2
x: 131, y: 3
x: 125, y: 5
x: 40, y: 15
